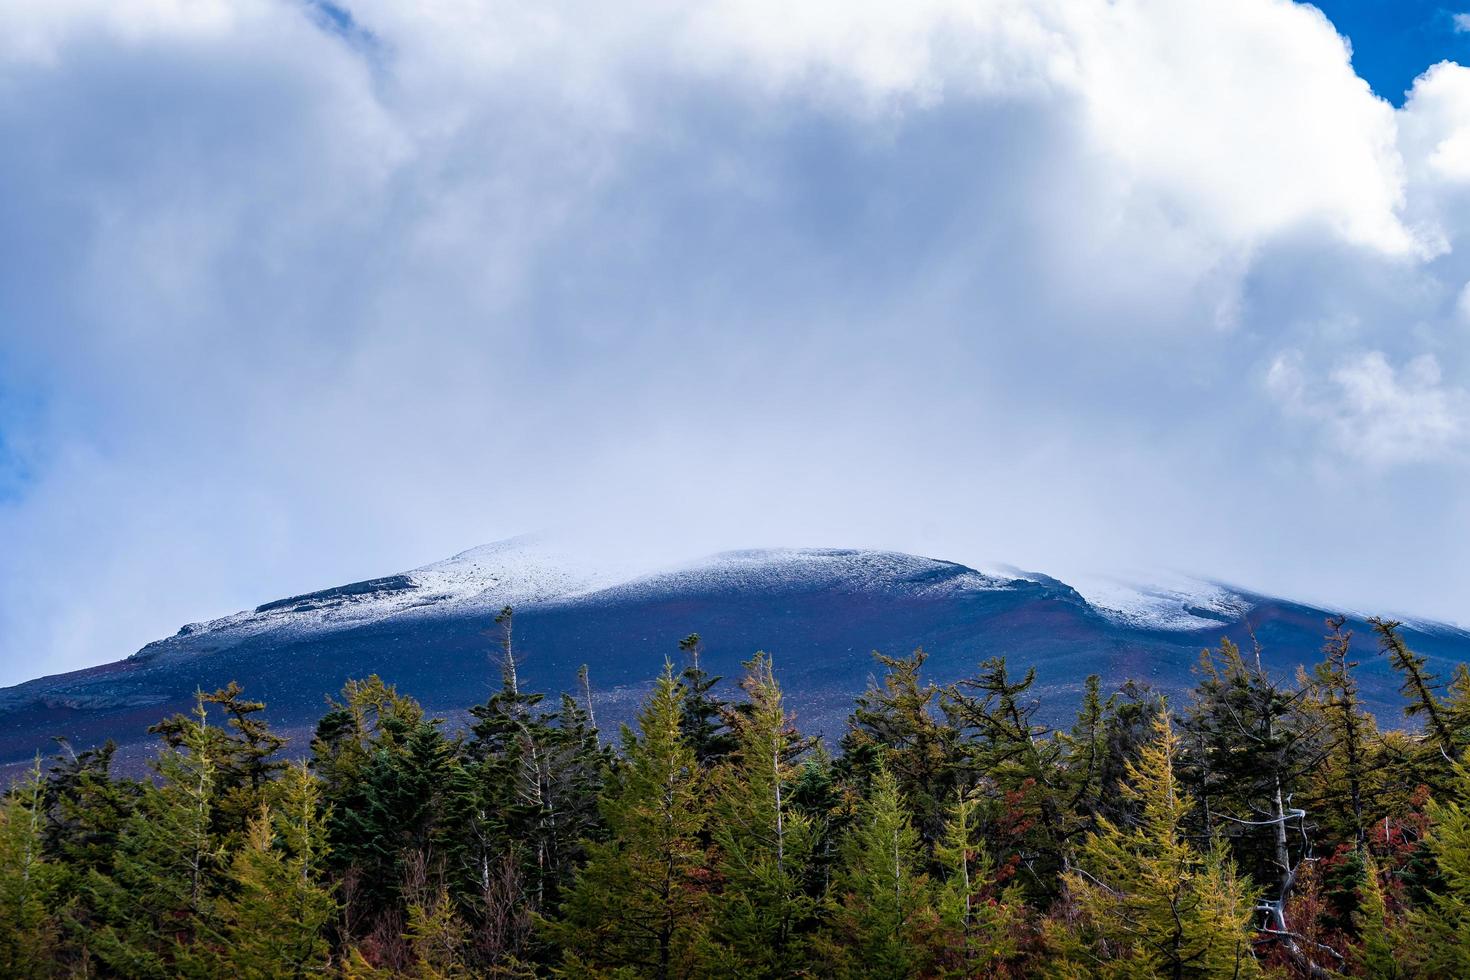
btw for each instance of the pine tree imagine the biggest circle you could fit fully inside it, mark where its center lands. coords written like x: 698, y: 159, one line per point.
x: 85, y: 807
x: 274, y: 919
x: 640, y: 902
x: 1252, y: 740
x: 1421, y: 688
x: 29, y: 884
x: 1084, y: 752
x: 245, y: 753
x: 881, y: 922
x: 395, y: 808
x: 525, y: 793
x: 704, y: 715
x: 1375, y: 957
x: 158, y: 894
x: 86, y: 810
x: 1020, y: 763
x: 508, y: 769
x: 1346, y: 775
x: 893, y: 727
x: 763, y: 912
x: 1440, y: 928
x: 1147, y: 903
x: 980, y: 916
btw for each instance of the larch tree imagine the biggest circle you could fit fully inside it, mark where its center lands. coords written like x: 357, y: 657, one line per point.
x: 1147, y: 903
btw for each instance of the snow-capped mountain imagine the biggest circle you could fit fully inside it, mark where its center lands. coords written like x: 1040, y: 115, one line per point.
x: 820, y: 612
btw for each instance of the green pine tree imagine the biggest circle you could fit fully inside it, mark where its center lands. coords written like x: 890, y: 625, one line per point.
x: 274, y: 919
x: 1439, y: 930
x: 763, y: 912
x: 639, y: 905
x: 29, y: 884
x: 157, y: 897
x: 704, y: 719
x: 881, y: 921
x: 980, y: 917
x: 893, y: 726
x: 1005, y: 748
x: 1376, y: 954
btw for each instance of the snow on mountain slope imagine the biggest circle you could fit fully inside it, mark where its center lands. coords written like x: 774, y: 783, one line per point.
x: 822, y: 611
x: 518, y: 571
x: 776, y: 570
x: 532, y: 571
x: 1170, y: 603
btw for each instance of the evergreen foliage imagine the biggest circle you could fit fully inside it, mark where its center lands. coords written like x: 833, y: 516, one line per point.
x: 1276, y: 831
x: 640, y: 903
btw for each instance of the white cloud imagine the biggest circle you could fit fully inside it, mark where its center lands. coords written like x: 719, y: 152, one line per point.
x: 1462, y: 23
x: 1375, y: 412
x: 287, y: 308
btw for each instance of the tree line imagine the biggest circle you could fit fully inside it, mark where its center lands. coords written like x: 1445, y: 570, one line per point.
x: 1263, y: 827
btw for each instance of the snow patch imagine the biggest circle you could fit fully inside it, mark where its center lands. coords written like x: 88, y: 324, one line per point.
x: 1181, y: 604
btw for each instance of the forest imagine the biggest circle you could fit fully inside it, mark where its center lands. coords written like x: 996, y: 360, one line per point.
x: 1262, y: 826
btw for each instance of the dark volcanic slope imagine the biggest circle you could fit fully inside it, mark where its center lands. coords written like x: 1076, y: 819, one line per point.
x: 820, y: 613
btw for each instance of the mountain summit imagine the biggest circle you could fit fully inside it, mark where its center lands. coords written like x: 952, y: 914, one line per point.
x: 820, y: 612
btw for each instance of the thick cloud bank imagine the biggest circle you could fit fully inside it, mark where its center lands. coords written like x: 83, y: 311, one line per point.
x: 293, y: 293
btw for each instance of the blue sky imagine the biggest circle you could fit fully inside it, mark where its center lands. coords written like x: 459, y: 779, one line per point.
x: 295, y: 294
x: 1395, y: 40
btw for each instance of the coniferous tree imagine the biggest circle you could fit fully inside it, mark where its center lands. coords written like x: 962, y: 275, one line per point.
x: 86, y: 811
x: 705, y: 715
x: 245, y: 751
x: 1251, y: 742
x: 86, y: 807
x: 1422, y: 692
x: 763, y: 912
x: 506, y: 771
x: 1439, y: 931
x: 881, y: 922
x: 1084, y: 756
x: 979, y: 915
x: 29, y: 884
x: 521, y: 803
x: 893, y: 727
x: 157, y: 896
x: 639, y: 905
x: 385, y: 772
x: 1147, y: 903
x: 1376, y: 956
x: 273, y: 921
x: 1019, y: 763
x: 1129, y: 718
x: 1346, y: 776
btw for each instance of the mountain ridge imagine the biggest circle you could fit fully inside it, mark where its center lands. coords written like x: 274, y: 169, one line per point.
x: 820, y: 611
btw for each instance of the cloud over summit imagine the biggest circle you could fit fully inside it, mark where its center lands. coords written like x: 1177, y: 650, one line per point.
x: 294, y: 294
